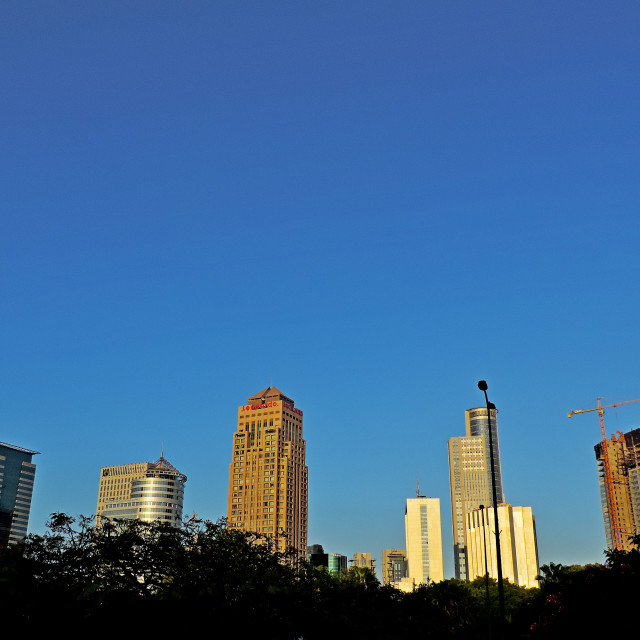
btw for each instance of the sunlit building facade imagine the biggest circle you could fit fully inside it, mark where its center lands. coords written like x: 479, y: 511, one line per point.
x: 423, y: 532
x: 268, y: 475
x: 518, y: 544
x: 17, y: 475
x: 144, y: 491
x: 362, y: 560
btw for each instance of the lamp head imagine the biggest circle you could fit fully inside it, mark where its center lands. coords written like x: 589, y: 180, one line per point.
x: 482, y: 385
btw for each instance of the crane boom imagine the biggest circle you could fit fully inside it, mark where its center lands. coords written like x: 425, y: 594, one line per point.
x: 600, y: 409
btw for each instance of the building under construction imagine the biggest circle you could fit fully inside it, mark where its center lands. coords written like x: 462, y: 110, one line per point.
x: 619, y: 475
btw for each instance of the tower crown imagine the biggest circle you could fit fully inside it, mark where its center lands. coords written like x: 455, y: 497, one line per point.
x: 270, y: 393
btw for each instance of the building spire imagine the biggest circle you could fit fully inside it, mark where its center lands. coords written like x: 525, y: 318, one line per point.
x: 418, y: 494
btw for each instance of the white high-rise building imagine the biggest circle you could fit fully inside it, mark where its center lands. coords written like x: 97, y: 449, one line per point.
x: 424, y: 540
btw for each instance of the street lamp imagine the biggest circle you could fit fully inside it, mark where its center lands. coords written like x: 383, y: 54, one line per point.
x: 486, y: 570
x: 482, y: 385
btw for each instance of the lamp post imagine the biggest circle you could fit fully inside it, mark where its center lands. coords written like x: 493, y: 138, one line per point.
x: 486, y: 571
x: 482, y: 385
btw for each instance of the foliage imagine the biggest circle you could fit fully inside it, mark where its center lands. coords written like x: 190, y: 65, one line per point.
x: 204, y: 573
x: 591, y: 600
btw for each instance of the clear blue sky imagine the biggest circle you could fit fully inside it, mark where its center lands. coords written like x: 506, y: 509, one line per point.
x: 375, y: 204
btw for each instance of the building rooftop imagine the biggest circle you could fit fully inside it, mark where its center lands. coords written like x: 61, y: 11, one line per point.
x: 15, y: 448
x: 270, y: 392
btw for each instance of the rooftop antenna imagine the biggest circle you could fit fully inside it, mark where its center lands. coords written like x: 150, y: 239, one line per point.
x: 418, y: 487
x: 162, y: 449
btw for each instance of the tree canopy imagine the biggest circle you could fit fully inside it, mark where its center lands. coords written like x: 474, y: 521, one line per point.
x: 207, y: 575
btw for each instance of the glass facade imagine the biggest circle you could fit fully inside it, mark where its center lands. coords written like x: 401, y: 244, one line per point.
x: 470, y: 477
x: 478, y: 425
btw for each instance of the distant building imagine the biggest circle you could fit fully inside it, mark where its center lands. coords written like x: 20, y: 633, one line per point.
x: 405, y: 584
x: 622, y: 517
x: 470, y: 477
x: 363, y: 560
x: 518, y: 544
x: 17, y: 474
x: 268, y: 475
x: 424, y: 539
x: 337, y: 562
x: 143, y: 491
x: 316, y: 556
x: 394, y: 565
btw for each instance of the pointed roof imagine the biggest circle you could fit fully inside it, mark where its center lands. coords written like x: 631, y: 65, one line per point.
x: 163, y: 463
x: 270, y: 392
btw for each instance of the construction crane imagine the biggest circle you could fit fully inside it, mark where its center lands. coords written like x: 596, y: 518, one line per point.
x: 608, y: 475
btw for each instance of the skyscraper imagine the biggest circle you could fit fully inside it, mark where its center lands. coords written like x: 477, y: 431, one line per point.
x: 470, y: 477
x: 268, y: 477
x: 143, y: 491
x: 17, y: 474
x: 518, y: 544
x: 424, y: 539
x: 622, y: 518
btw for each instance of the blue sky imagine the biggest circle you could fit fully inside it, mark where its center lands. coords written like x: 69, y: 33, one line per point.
x: 373, y: 204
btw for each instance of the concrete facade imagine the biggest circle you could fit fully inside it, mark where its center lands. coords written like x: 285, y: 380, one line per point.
x: 423, y: 532
x: 518, y: 544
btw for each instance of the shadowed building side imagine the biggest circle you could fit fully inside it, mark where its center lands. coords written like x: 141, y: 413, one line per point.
x: 394, y: 565
x: 17, y: 475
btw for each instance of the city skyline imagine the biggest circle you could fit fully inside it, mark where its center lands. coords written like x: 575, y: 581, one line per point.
x: 370, y: 207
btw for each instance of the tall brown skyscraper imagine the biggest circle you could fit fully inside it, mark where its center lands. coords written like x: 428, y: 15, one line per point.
x: 268, y: 476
